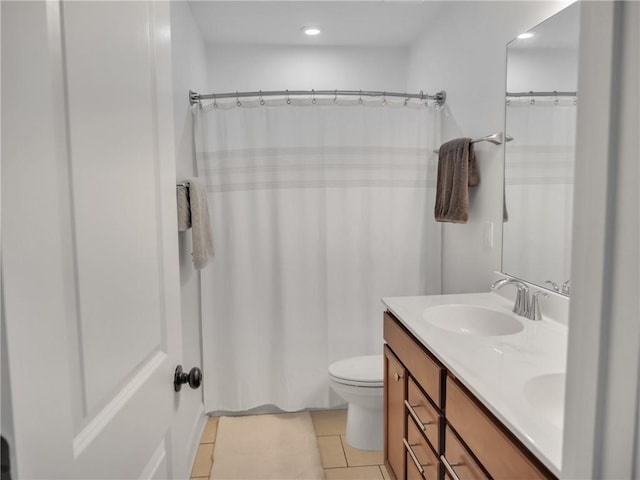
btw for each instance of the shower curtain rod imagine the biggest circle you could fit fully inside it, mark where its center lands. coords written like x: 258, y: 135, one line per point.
x: 541, y: 94
x: 195, y: 97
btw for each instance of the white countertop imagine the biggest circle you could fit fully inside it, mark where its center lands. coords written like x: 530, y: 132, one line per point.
x: 497, y: 368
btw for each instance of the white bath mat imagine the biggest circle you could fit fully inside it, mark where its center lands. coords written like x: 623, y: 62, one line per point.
x: 267, y: 447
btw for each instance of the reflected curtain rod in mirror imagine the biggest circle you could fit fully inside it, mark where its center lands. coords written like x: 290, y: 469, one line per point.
x: 542, y: 94
x: 440, y: 97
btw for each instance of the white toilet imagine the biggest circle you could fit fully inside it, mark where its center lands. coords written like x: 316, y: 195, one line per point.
x: 359, y: 380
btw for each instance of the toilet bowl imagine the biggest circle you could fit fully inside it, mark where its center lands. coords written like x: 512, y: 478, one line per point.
x: 359, y: 381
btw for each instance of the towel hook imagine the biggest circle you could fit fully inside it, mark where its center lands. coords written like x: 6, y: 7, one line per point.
x: 238, y: 104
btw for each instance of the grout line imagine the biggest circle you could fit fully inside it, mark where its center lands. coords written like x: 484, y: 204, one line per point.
x: 344, y: 452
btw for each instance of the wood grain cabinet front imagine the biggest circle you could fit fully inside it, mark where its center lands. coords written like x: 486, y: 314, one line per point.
x: 395, y: 388
x: 420, y: 452
x: 435, y: 428
x: 489, y: 441
x: 459, y: 461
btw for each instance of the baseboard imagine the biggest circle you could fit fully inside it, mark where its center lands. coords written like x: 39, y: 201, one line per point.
x: 199, y: 422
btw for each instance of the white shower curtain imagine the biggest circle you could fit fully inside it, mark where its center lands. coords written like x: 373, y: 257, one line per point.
x: 539, y: 187
x: 318, y: 211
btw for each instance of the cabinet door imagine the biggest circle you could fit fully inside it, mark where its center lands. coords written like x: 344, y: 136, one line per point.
x: 395, y: 389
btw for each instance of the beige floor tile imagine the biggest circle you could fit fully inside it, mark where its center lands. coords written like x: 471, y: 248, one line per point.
x: 359, y: 458
x: 210, y: 431
x: 385, y: 474
x: 204, y: 460
x: 353, y: 473
x: 331, y: 452
x: 329, y: 422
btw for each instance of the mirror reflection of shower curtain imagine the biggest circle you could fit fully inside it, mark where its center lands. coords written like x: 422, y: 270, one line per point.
x: 539, y: 171
x: 318, y: 211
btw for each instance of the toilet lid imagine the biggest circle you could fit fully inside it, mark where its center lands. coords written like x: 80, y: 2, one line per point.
x: 366, y: 371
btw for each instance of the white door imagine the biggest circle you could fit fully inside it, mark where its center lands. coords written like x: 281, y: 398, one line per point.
x: 90, y: 264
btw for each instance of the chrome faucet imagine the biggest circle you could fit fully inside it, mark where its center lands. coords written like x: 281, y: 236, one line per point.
x: 521, y: 306
x: 534, y: 307
x: 554, y: 285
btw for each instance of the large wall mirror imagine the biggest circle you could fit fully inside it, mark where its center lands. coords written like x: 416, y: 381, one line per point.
x: 541, y: 100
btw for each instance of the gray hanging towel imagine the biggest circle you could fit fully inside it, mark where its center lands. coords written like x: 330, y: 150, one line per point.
x: 184, y: 209
x: 201, y: 235
x: 457, y: 171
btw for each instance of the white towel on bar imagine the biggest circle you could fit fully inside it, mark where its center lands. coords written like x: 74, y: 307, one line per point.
x: 201, y: 235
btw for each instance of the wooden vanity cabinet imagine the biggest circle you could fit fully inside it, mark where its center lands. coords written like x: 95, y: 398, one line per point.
x: 435, y: 429
x: 395, y: 386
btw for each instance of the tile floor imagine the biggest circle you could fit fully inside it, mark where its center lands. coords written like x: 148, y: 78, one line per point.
x: 339, y: 460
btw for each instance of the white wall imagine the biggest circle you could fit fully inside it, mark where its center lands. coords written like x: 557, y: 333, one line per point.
x: 464, y: 52
x: 601, y: 435
x: 255, y: 67
x: 189, y: 72
x: 542, y: 70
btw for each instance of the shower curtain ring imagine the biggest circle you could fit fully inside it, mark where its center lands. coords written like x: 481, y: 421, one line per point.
x: 288, y: 99
x: 335, y: 96
x: 384, y: 98
x: 238, y: 104
x: 215, y: 101
x: 313, y: 96
x: 406, y: 99
x: 360, y: 99
x: 261, y: 99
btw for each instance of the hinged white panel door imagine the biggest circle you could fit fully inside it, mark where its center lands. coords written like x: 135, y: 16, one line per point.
x: 90, y: 264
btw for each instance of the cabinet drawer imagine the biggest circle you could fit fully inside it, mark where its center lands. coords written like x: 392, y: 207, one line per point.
x: 425, y: 414
x: 459, y: 458
x: 487, y: 440
x: 424, y: 369
x: 422, y: 453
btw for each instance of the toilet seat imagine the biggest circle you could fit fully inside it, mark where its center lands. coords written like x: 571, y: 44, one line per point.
x: 365, y: 371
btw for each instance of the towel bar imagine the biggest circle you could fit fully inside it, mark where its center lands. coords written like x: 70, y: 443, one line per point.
x: 495, y: 138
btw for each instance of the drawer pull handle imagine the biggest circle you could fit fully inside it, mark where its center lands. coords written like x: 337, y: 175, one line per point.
x: 398, y: 376
x: 413, y: 456
x: 449, y: 468
x: 415, y: 416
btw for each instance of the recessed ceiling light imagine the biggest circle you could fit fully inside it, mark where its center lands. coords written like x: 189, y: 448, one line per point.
x: 311, y: 31
x: 525, y: 35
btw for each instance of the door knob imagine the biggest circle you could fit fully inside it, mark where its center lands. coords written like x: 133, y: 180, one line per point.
x: 193, y: 378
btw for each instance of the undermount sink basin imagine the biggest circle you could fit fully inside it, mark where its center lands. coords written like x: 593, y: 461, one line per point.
x: 472, y: 320
x: 545, y: 393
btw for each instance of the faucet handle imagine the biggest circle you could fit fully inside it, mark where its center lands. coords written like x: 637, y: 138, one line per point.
x: 554, y: 285
x: 534, y: 308
x: 566, y: 287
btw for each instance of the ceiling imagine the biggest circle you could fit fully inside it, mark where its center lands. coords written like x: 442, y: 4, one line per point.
x: 344, y: 23
x: 562, y: 30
